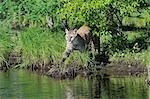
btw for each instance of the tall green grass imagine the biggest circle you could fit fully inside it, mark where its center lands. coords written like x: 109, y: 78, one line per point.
x: 143, y: 57
x: 6, y: 43
x: 41, y: 45
x: 38, y: 45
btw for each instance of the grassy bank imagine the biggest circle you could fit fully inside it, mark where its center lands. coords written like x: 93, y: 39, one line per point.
x: 40, y: 45
x: 132, y: 57
x: 6, y: 43
x: 137, y: 48
x: 42, y: 48
x: 37, y: 45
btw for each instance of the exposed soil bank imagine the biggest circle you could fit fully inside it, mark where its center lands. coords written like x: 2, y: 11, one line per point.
x: 116, y: 68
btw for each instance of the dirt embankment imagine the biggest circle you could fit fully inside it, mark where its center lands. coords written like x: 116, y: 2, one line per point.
x: 116, y: 68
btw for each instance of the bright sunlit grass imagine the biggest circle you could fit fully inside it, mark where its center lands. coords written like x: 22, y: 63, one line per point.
x: 41, y: 45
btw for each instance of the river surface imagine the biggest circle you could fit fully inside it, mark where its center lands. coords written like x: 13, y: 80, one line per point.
x: 29, y: 85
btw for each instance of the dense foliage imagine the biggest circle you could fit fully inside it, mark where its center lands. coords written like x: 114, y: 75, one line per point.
x: 106, y: 17
x: 77, y: 12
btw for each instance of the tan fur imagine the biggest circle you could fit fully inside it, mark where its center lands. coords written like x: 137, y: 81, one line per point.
x: 84, y: 32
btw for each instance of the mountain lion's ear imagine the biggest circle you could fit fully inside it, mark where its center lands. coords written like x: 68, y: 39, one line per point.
x: 66, y: 31
x: 75, y: 32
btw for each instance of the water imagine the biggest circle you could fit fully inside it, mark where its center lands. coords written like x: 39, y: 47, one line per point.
x: 26, y: 85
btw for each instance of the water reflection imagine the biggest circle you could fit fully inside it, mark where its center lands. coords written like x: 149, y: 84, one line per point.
x: 26, y: 85
x: 117, y: 88
x: 114, y: 88
x: 95, y: 87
